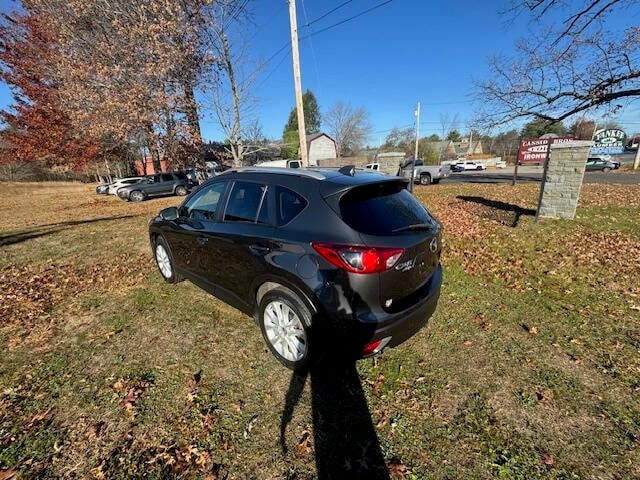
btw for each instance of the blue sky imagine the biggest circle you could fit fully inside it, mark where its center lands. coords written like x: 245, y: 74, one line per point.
x: 385, y: 61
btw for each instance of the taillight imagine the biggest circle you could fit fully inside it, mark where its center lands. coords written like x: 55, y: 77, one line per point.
x: 358, y: 259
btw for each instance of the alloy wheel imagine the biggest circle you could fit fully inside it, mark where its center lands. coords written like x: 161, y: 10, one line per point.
x: 285, y: 331
x: 164, y: 263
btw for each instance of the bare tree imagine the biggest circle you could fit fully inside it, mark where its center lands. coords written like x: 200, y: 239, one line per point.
x: 447, y: 125
x: 568, y: 68
x: 233, y: 101
x: 349, y: 127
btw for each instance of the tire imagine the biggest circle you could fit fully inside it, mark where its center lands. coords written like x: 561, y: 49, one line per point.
x: 606, y: 169
x: 136, y: 196
x: 425, y: 179
x: 180, y: 190
x: 478, y: 167
x: 282, y: 315
x: 164, y: 261
x: 436, y: 181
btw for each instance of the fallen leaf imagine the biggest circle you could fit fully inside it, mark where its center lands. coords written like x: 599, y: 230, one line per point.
x: 548, y: 459
x: 7, y: 474
x: 303, y: 444
x: 397, y: 469
x: 249, y: 426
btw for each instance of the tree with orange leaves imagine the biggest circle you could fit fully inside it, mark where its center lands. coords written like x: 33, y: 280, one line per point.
x: 37, y: 127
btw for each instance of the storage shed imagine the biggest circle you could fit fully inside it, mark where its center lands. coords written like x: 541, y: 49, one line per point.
x: 321, y: 147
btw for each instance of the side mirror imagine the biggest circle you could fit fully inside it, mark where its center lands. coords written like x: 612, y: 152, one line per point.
x: 170, y: 213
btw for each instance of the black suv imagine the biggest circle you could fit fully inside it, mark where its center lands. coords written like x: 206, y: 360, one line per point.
x: 176, y: 183
x: 340, y: 262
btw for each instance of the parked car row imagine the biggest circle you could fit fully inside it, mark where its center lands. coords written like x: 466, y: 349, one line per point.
x: 137, y: 189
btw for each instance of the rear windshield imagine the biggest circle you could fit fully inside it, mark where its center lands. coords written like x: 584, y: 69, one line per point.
x: 381, y: 209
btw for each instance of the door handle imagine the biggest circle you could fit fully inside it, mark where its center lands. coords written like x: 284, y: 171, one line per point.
x: 203, y: 241
x: 259, y: 249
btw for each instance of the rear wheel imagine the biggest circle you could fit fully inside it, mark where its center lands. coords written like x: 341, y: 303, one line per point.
x: 180, y: 190
x: 136, y: 196
x: 425, y: 179
x: 285, y: 322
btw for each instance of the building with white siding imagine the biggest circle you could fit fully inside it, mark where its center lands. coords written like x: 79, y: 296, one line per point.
x: 321, y: 147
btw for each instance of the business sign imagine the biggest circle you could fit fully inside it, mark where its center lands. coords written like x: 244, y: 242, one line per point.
x: 535, y: 151
x: 609, y: 141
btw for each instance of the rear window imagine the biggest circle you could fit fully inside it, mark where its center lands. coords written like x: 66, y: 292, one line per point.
x: 289, y: 205
x: 382, y: 208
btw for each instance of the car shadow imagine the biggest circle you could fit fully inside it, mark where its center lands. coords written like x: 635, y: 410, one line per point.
x: 344, y: 438
x: 496, y: 205
x: 50, y: 228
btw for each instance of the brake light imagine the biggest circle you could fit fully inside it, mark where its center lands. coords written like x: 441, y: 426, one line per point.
x: 359, y: 259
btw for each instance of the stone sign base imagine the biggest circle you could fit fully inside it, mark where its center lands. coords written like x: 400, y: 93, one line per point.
x: 562, y: 179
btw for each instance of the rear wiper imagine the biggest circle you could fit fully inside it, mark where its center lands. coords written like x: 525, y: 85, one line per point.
x: 415, y: 226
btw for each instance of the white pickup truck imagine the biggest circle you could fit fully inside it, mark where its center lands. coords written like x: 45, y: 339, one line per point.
x: 423, y: 174
x: 468, y: 165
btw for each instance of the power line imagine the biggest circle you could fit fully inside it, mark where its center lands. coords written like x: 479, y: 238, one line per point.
x: 357, y: 15
x: 353, y: 17
x: 328, y: 13
x: 313, y: 52
x: 271, y: 72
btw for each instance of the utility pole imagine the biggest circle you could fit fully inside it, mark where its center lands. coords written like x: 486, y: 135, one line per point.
x: 415, y: 156
x: 302, y: 133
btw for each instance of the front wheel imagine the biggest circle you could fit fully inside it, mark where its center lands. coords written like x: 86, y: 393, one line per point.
x: 164, y: 260
x: 606, y: 169
x: 478, y: 167
x: 181, y: 191
x: 425, y: 179
x: 285, y: 323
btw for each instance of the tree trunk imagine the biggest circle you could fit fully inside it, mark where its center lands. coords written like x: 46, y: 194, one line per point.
x: 237, y: 135
x: 155, y: 158
x: 191, y: 111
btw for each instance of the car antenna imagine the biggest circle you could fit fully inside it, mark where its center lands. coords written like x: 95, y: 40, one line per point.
x: 348, y: 170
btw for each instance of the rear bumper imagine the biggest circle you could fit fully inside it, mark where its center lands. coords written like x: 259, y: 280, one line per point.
x: 403, y: 325
x: 349, y: 330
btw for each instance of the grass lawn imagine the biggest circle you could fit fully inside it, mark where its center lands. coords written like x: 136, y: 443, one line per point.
x: 530, y: 367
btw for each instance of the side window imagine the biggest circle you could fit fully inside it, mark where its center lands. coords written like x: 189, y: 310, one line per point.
x: 289, y: 205
x: 294, y: 164
x: 204, y: 205
x: 167, y: 177
x: 157, y: 178
x: 247, y: 203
